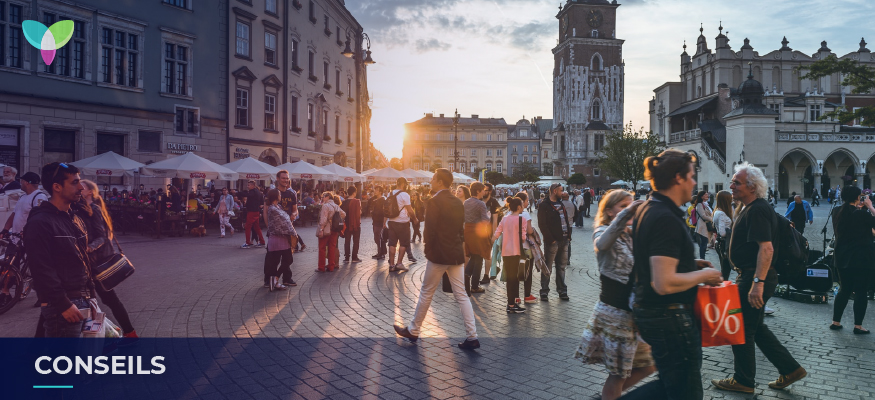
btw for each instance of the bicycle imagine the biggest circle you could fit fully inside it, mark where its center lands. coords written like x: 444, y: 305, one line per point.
x: 14, y: 274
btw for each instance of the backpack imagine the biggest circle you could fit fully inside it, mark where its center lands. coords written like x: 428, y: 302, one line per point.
x: 692, y: 218
x: 791, y: 250
x: 337, y: 224
x: 390, y: 207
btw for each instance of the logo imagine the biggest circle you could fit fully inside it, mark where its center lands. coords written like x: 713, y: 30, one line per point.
x: 306, y: 176
x: 348, y: 179
x: 253, y: 176
x: 198, y: 175
x: 48, y: 40
x: 104, y: 172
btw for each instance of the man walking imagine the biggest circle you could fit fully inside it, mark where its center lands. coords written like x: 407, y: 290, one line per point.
x: 556, y: 228
x: 443, y: 237
x: 353, y: 209
x: 379, y: 219
x: 56, y: 249
x: 399, y: 224
x: 668, y: 277
x: 587, y: 201
x: 799, y: 212
x: 751, y: 251
x: 254, y: 201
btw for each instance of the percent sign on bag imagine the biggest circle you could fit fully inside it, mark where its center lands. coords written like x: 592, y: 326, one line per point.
x: 719, y: 312
x: 727, y: 319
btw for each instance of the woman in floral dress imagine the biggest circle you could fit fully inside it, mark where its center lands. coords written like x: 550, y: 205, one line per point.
x: 610, y: 337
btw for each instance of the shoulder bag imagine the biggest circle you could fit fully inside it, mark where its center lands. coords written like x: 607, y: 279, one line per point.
x: 525, y: 255
x: 709, y: 225
x: 114, y: 270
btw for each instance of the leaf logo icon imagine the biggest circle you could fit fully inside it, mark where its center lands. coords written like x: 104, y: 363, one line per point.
x: 48, y: 40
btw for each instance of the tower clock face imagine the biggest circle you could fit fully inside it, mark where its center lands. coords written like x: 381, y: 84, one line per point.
x: 565, y: 23
x: 595, y: 18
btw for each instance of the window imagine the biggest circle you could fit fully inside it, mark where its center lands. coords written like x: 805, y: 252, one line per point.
x: 524, y: 132
x: 514, y: 159
x: 534, y: 148
x: 473, y: 166
x: 488, y: 152
x: 534, y: 159
x: 11, y: 40
x: 327, y: 29
x: 295, y: 66
x: 349, y: 132
x: 489, y: 137
x: 437, y: 136
x: 310, y: 65
x: 776, y: 108
x: 187, y: 120
x: 270, y: 48
x: 337, y: 128
x: 325, y: 72
x: 596, y: 110
x: 525, y: 149
x: 149, y: 141
x: 462, y: 137
x: 461, y: 152
x: 545, y: 154
x: 525, y: 158
x: 70, y: 58
x: 294, y: 121
x: 270, y: 6
x: 119, y: 52
x: 489, y: 166
x: 325, y: 125
x: 110, y: 142
x: 242, y: 115
x: 337, y: 81
x: 269, y: 112
x: 312, y: 12
x: 59, y: 146
x: 176, y: 58
x: 179, y: 3
x: 514, y: 149
x: 437, y: 151
x: 473, y: 152
x: 499, y: 152
x: 499, y: 167
x: 814, y: 112
x: 598, y: 142
x: 311, y: 130
x: 596, y: 172
x: 243, y: 39
x: 349, y: 87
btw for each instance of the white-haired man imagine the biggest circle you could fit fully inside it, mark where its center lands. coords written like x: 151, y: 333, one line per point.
x: 751, y: 251
x: 9, y: 181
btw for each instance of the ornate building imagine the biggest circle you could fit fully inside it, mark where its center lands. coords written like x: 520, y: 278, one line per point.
x: 733, y: 106
x: 429, y: 143
x: 588, y: 81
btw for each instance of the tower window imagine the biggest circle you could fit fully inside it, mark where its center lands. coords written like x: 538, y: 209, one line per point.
x: 596, y: 110
x: 596, y: 64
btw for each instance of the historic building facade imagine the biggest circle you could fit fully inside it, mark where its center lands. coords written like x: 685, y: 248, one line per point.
x: 293, y: 95
x: 430, y: 143
x: 588, y: 82
x: 523, y: 145
x: 733, y: 106
x: 144, y: 80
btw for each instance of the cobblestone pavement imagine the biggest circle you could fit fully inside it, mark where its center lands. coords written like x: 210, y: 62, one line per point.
x: 341, y: 327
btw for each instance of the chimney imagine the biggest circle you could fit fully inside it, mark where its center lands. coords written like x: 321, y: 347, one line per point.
x: 475, y: 116
x: 442, y: 115
x: 429, y: 115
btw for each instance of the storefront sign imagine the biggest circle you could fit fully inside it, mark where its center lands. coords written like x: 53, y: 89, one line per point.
x: 348, y: 179
x: 104, y: 172
x: 253, y: 176
x: 241, y: 153
x: 306, y: 176
x: 8, y: 137
x: 181, y: 148
x: 198, y: 175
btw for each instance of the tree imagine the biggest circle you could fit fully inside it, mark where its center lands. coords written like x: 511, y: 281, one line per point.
x: 860, y: 77
x: 435, y: 166
x: 624, y: 152
x: 548, y: 169
x: 495, y: 178
x: 526, y: 172
x: 396, y: 163
x: 577, y: 179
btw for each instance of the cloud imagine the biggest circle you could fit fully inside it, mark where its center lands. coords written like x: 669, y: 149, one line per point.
x: 423, y: 46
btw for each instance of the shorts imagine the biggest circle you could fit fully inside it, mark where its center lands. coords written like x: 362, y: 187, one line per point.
x: 399, y: 234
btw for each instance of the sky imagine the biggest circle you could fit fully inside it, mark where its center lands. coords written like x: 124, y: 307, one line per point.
x: 494, y: 57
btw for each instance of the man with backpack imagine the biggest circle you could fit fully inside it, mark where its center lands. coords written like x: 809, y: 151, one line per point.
x: 378, y: 218
x: 400, y: 212
x: 752, y: 252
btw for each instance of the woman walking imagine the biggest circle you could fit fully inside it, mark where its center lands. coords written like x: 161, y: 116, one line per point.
x: 723, y: 224
x: 224, y: 208
x: 513, y: 230
x: 328, y: 254
x: 280, y: 232
x: 610, y: 337
x: 419, y: 209
x: 703, y: 216
x: 98, y: 225
x: 854, y: 255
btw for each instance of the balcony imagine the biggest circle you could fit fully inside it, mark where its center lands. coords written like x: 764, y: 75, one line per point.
x: 684, y: 136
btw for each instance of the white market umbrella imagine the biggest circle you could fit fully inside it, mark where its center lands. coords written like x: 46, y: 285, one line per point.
x: 459, y: 177
x: 388, y: 174
x: 426, y: 173
x: 305, y: 170
x: 415, y: 176
x: 344, y: 174
x: 107, y: 164
x: 251, y: 168
x: 188, y: 166
x: 620, y: 183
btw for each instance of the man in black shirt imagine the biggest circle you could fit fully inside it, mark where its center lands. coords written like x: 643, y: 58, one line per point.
x: 751, y: 250
x: 254, y: 201
x: 289, y: 200
x: 553, y: 221
x: 378, y: 219
x: 667, y: 276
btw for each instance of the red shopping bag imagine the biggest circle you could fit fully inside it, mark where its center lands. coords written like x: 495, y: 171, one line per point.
x: 718, y: 309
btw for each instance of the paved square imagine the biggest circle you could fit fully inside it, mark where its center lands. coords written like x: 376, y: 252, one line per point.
x: 341, y: 342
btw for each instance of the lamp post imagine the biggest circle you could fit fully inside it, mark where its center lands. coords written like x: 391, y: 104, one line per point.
x: 456, y: 141
x: 359, y: 70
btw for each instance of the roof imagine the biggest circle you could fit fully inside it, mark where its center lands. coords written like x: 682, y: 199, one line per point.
x: 751, y: 109
x: 718, y: 131
x: 597, y: 126
x: 694, y: 106
x: 462, y: 121
x: 799, y: 101
x: 544, y: 125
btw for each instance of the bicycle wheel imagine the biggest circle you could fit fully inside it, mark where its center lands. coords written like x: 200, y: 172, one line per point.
x: 10, y: 280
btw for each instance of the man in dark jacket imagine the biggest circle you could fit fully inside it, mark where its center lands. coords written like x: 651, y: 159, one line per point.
x: 587, y: 201
x: 254, y: 201
x: 444, y: 250
x: 353, y: 209
x: 378, y: 218
x: 555, y: 226
x: 57, y: 253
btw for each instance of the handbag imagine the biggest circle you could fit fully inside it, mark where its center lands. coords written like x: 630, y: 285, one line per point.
x: 709, y: 225
x: 114, y: 270
x: 718, y: 310
x: 525, y: 255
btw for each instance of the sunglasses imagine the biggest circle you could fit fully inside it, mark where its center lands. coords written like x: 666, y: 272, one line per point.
x: 58, y: 169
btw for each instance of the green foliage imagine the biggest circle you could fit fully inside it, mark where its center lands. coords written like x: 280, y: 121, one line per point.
x: 576, y: 179
x: 495, y: 178
x: 434, y: 166
x: 396, y: 163
x: 624, y: 153
x: 526, y: 172
x: 860, y: 77
x: 548, y: 169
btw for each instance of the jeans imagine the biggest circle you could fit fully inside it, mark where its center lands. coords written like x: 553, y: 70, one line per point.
x: 430, y: 282
x: 511, y: 268
x: 352, y: 235
x: 252, y: 223
x: 675, y: 340
x: 800, y: 226
x: 328, y: 253
x: 378, y: 238
x: 721, y: 246
x: 472, y: 271
x: 703, y: 245
x: 225, y: 220
x: 853, y: 280
x: 281, y: 258
x: 555, y: 254
x: 111, y: 301
x: 54, y: 324
x: 757, y: 333
x: 417, y: 231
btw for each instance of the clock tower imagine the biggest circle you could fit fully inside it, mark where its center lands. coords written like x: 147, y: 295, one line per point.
x: 588, y: 81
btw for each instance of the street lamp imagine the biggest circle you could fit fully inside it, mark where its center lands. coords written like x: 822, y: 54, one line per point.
x: 349, y: 53
x: 456, y: 141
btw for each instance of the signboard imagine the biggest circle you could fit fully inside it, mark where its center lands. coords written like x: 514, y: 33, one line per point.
x: 306, y: 176
x: 253, y: 176
x: 9, y: 137
x: 818, y: 273
x: 348, y: 179
x: 181, y: 148
x: 241, y: 153
x: 104, y: 172
x: 198, y: 175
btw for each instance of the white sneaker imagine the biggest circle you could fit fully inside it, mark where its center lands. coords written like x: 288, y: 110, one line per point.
x: 769, y: 311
